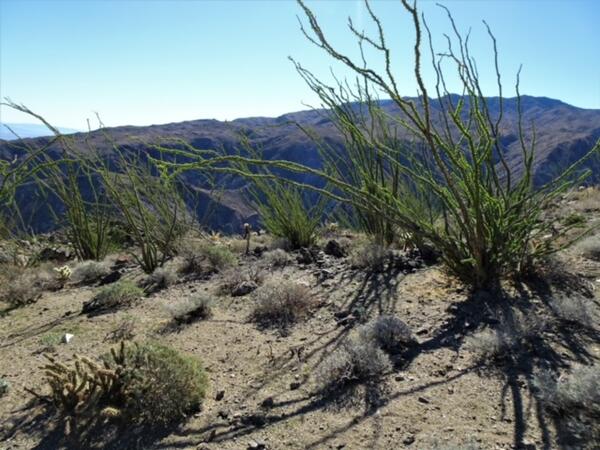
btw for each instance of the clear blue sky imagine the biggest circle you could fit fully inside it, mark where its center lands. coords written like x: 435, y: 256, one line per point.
x: 143, y: 62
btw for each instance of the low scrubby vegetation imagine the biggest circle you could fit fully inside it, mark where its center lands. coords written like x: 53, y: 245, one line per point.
x: 89, y: 272
x: 116, y: 295
x: 356, y: 361
x: 574, y: 399
x: 280, y: 303
x: 141, y: 383
x: 192, y: 308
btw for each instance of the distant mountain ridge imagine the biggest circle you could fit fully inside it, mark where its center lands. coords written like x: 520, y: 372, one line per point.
x: 28, y: 130
x: 563, y: 134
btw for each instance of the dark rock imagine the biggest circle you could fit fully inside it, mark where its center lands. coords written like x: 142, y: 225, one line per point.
x: 112, y: 277
x: 255, y: 420
x: 305, y: 256
x: 223, y: 414
x: 268, y: 402
x: 260, y: 249
x: 334, y: 249
x: 220, y: 395
x: 294, y: 385
x: 423, y: 400
x: 57, y: 254
x: 244, y: 288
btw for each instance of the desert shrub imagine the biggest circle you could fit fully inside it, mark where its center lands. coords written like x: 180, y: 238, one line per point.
x: 514, y: 333
x: 89, y: 272
x: 4, y: 387
x: 21, y: 292
x: 573, y: 309
x: 190, y: 309
x: 121, y: 293
x: 161, y: 278
x: 277, y: 258
x: 356, y: 361
x: 281, y: 303
x: 123, y: 331
x: 389, y: 333
x: 590, y: 247
x: 24, y: 286
x: 575, y: 400
x: 218, y: 257
x: 369, y: 256
x: 200, y: 256
x: 232, y: 278
x: 142, y: 384
x: 574, y: 219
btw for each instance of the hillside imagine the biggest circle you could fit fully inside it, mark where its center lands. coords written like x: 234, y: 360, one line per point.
x: 461, y: 372
x: 563, y: 134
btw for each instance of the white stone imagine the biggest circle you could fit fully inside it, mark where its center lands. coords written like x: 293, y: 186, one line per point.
x: 67, y: 338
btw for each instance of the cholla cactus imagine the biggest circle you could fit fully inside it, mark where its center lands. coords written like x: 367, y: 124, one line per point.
x: 63, y: 273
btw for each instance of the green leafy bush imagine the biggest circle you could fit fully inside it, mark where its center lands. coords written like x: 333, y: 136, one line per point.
x: 143, y: 384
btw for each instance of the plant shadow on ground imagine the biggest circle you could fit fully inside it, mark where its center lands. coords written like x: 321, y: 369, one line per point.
x: 560, y: 344
x: 38, y: 419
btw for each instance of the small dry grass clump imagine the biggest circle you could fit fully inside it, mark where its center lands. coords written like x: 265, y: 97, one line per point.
x: 276, y: 258
x: 22, y: 286
x: 280, y: 303
x: 236, y: 276
x: 123, y: 331
x: 389, y: 333
x: 89, y: 272
x: 512, y: 335
x: 590, y: 248
x: 575, y: 400
x: 121, y: 293
x: 161, y: 278
x: 190, y: 309
x: 369, y: 256
x: 200, y: 256
x: 356, y: 361
x: 574, y: 309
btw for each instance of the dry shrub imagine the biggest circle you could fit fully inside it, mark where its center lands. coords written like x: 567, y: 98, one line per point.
x: 507, y: 339
x: 123, y: 331
x: 22, y: 286
x: 575, y: 400
x: 574, y: 309
x: 389, y: 333
x: 369, y: 256
x: 121, y: 293
x: 161, y: 278
x: 234, y: 277
x: 590, y: 248
x: 280, y: 303
x: 190, y: 309
x: 357, y: 361
x: 276, y: 258
x: 89, y: 272
x: 200, y: 256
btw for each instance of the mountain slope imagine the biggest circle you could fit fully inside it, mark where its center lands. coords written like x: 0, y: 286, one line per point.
x: 563, y: 134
